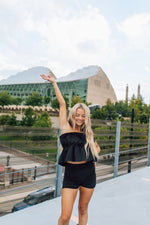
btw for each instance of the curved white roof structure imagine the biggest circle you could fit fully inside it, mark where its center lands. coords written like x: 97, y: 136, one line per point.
x: 80, y: 74
x: 90, y: 83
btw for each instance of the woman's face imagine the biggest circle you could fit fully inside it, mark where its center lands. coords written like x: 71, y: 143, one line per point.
x: 79, y: 117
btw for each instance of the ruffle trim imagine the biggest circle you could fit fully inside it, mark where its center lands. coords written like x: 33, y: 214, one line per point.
x: 74, y: 153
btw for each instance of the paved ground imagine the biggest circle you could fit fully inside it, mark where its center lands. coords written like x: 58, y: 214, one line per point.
x: 17, y: 162
x: 121, y: 201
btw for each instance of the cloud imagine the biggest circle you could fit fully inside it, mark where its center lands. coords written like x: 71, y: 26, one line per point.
x: 83, y: 39
x: 147, y: 68
x: 68, y: 35
x: 137, y: 30
x: 57, y: 32
x: 4, y: 64
x: 6, y: 67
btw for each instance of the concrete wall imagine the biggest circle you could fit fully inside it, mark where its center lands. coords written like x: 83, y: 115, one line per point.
x: 100, y: 89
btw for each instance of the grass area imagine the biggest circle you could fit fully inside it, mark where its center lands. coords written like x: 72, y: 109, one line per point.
x: 46, y: 149
x: 43, y: 142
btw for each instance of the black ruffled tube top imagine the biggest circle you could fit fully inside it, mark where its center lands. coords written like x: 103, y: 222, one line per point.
x: 73, y: 148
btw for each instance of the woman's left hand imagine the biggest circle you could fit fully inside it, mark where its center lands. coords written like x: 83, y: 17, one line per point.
x: 98, y: 148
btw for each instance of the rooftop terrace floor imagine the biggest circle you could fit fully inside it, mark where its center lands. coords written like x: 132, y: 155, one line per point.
x: 124, y: 200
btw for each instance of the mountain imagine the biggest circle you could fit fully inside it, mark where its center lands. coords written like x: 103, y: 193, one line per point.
x: 31, y: 75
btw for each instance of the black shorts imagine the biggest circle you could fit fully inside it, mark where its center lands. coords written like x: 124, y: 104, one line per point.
x: 77, y: 175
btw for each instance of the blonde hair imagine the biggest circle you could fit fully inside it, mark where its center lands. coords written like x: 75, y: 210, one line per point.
x: 85, y: 128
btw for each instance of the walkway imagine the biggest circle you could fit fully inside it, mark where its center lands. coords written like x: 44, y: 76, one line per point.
x: 121, y: 201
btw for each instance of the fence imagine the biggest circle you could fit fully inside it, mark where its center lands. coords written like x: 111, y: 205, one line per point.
x: 124, y: 147
x: 37, y: 144
x: 121, y: 145
x: 40, y: 145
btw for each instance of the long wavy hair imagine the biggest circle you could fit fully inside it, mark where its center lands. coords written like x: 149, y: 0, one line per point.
x: 85, y: 128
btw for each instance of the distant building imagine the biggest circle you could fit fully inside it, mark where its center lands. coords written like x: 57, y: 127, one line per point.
x: 90, y: 83
x: 94, y: 107
x: 138, y: 92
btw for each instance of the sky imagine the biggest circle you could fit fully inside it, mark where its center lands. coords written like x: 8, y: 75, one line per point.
x: 67, y: 35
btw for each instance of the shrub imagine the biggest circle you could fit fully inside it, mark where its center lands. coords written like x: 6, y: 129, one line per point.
x: 4, y: 119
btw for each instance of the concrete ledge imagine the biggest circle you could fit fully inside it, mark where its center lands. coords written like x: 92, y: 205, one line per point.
x: 121, y: 201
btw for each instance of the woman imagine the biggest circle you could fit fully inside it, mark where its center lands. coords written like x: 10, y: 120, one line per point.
x: 78, y: 156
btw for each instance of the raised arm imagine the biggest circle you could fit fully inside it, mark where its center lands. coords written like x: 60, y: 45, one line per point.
x: 62, y: 104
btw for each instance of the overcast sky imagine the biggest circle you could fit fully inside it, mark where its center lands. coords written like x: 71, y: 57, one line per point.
x: 66, y: 35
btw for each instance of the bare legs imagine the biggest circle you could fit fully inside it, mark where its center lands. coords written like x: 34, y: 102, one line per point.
x: 85, y: 196
x: 67, y: 202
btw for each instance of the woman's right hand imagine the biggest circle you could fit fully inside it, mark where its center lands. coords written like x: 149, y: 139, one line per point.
x: 48, y: 78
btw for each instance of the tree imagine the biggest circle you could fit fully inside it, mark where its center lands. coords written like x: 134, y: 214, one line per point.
x: 108, y: 102
x: 4, y: 119
x: 47, y: 100
x: 66, y: 100
x: 5, y: 98
x: 111, y: 110
x: 12, y: 120
x: 35, y: 99
x: 143, y: 117
x: 55, y: 103
x: 29, y: 117
x: 43, y: 120
x: 138, y: 105
x: 146, y: 109
x: 88, y: 103
x: 17, y: 101
x: 110, y: 107
x: 76, y: 99
x: 100, y: 114
x: 122, y: 108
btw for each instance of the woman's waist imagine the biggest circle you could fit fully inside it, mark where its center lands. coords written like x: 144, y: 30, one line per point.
x: 79, y: 165
x: 78, y: 162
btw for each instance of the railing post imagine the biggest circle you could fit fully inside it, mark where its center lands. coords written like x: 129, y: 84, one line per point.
x: 117, y: 149
x: 35, y: 173
x: 149, y: 144
x: 8, y: 159
x: 131, y: 137
x: 12, y: 174
x: 58, y: 171
x: 22, y: 179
